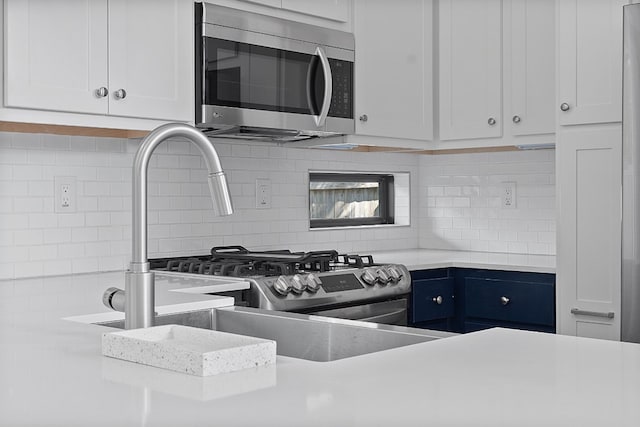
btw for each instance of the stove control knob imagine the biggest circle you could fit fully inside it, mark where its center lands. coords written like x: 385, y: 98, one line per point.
x: 313, y: 282
x: 282, y: 285
x: 383, y: 276
x: 394, y: 273
x: 298, y: 284
x: 369, y: 277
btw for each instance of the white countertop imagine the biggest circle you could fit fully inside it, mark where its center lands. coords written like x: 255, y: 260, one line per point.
x: 52, y: 373
x: 420, y: 259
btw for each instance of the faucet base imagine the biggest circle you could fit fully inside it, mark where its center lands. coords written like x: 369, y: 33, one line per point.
x: 140, y: 302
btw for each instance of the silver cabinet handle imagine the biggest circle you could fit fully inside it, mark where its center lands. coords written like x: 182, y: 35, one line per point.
x: 504, y: 300
x: 438, y: 299
x: 608, y: 315
x: 516, y: 119
x: 565, y: 107
x: 491, y: 121
x: 364, y: 118
x: 120, y: 94
x: 328, y: 87
x: 102, y: 92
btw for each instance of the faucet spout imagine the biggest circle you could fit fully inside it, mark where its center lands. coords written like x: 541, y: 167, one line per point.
x: 139, y: 279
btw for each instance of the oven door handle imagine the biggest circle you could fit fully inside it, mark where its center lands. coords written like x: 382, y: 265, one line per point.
x: 328, y: 87
x: 386, y: 317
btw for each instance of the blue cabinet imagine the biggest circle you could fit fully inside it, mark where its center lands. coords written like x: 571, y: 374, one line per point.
x: 466, y: 300
x: 433, y: 299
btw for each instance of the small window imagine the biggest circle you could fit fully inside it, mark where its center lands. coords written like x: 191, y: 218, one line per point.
x: 349, y: 199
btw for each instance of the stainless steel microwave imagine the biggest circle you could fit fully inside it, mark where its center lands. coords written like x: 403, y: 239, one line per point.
x: 262, y: 77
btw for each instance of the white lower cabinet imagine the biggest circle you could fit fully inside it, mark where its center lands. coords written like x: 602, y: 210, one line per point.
x: 108, y: 57
x: 588, y: 276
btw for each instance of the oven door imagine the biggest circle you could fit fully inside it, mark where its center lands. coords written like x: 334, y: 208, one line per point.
x: 258, y: 80
x: 393, y: 312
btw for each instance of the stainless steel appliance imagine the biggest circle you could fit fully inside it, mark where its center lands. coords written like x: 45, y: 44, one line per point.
x: 322, y: 283
x: 262, y: 77
x: 630, y: 319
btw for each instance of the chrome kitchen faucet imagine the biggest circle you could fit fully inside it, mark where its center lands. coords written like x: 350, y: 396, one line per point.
x: 139, y: 293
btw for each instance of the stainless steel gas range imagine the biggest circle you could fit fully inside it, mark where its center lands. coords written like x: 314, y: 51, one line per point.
x: 323, y: 283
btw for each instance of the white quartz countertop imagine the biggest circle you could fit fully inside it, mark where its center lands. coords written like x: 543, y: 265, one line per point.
x: 52, y: 373
x: 422, y: 259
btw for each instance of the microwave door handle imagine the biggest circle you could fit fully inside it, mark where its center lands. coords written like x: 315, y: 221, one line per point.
x: 328, y: 87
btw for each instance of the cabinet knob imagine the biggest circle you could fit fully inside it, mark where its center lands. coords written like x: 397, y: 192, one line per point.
x: 364, y: 118
x: 491, y: 121
x: 438, y: 299
x: 504, y: 300
x: 120, y: 94
x: 516, y: 119
x: 102, y: 92
x: 565, y: 107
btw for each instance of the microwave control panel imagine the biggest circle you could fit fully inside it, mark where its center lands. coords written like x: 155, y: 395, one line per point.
x: 342, y: 99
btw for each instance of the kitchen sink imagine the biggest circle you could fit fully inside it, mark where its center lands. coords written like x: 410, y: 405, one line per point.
x: 321, y: 339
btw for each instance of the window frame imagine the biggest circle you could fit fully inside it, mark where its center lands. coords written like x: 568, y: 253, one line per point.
x: 385, y: 192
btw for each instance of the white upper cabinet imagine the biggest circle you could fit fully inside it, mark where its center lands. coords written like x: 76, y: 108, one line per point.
x: 529, y: 45
x: 337, y: 10
x: 470, y: 69
x: 116, y: 57
x: 56, y: 55
x: 152, y: 63
x: 393, y: 70
x: 589, y: 61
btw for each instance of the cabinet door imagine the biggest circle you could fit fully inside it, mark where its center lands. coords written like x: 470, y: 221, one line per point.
x: 589, y: 61
x: 589, y: 239
x: 470, y: 69
x: 510, y: 301
x: 530, y: 70
x: 151, y: 59
x: 432, y: 299
x: 56, y: 54
x: 337, y: 10
x: 394, y: 68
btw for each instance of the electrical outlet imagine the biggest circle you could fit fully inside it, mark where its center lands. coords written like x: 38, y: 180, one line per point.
x: 509, y: 195
x: 263, y: 194
x: 65, y: 194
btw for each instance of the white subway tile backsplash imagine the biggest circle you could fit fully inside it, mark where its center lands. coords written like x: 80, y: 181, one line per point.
x: 453, y: 203
x: 473, y: 182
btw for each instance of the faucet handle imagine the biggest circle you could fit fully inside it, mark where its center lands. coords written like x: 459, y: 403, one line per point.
x: 114, y: 298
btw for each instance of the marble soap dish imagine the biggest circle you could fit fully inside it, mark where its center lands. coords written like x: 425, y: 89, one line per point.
x: 190, y: 350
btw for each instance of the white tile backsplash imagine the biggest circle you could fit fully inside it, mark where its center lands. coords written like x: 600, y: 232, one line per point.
x: 454, y: 202
x: 35, y: 241
x: 460, y: 202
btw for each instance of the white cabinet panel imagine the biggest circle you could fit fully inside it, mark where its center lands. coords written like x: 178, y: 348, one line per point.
x: 590, y: 61
x: 470, y: 69
x: 59, y: 53
x: 337, y: 10
x: 151, y: 62
x: 56, y: 54
x: 589, y: 241
x: 530, y: 72
x: 394, y: 86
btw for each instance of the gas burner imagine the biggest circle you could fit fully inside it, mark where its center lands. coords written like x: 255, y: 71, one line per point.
x: 298, y: 281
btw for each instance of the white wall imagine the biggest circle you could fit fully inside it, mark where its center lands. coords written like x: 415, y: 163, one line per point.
x: 460, y: 202
x: 36, y: 241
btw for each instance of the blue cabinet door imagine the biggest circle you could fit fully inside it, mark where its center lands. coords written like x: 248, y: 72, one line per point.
x: 433, y: 299
x: 510, y: 303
